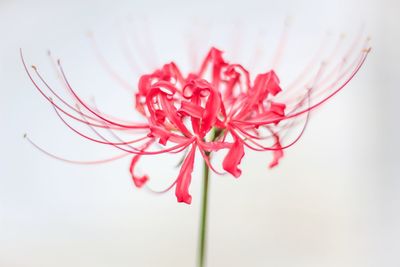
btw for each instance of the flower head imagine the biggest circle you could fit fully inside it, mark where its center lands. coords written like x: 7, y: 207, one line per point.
x: 220, y: 106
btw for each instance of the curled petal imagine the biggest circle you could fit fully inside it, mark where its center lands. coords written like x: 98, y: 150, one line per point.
x: 144, y: 84
x: 185, y: 177
x: 211, y: 111
x: 233, y: 158
x: 273, y: 84
x: 215, y: 59
x: 172, y: 114
x: 236, y: 74
x: 197, y: 90
x: 191, y: 109
x: 278, y: 108
x: 196, y: 86
x: 159, y: 116
x: 264, y: 84
x: 140, y: 102
x: 165, y: 87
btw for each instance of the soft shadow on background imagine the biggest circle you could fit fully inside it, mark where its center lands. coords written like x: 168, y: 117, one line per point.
x: 333, y: 201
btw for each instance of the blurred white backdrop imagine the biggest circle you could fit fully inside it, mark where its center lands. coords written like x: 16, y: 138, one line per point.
x: 333, y: 201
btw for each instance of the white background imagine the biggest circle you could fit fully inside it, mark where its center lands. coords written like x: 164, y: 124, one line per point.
x: 333, y: 200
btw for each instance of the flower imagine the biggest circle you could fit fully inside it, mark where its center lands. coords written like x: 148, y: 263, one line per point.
x: 219, y: 107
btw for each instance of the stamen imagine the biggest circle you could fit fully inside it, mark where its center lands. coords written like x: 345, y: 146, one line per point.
x: 281, y: 46
x: 93, y: 139
x: 46, y: 96
x: 81, y: 162
x: 106, y: 65
x: 137, y: 126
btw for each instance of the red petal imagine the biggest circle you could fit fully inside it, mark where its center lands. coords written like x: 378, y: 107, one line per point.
x: 233, y: 158
x: 144, y: 84
x: 273, y: 84
x: 139, y: 181
x: 191, y: 109
x: 278, y: 154
x: 185, y: 177
x: 211, y: 111
x: 278, y: 108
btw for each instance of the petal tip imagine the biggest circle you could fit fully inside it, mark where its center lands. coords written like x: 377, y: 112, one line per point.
x: 185, y: 199
x: 140, y: 181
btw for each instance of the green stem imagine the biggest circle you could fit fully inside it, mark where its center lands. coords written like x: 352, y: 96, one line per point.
x: 215, y: 134
x: 203, y: 222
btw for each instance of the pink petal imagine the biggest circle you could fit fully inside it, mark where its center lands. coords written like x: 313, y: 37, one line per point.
x: 233, y: 159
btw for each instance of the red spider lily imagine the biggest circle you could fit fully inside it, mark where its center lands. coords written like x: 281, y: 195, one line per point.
x: 218, y: 107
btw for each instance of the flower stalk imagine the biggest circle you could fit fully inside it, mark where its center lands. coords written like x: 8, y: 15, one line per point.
x: 215, y: 134
x: 203, y: 218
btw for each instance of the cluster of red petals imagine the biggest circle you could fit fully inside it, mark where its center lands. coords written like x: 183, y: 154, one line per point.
x: 219, y: 97
x: 219, y: 107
